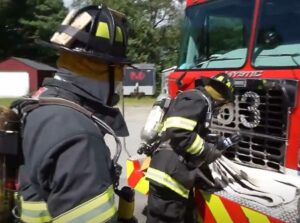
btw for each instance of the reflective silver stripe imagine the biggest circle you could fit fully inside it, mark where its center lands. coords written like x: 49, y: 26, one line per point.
x: 179, y: 122
x: 197, y: 147
x: 99, y: 209
x: 164, y: 179
x: 34, y: 212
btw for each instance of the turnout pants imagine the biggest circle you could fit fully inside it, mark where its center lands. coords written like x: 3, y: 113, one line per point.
x: 171, y: 196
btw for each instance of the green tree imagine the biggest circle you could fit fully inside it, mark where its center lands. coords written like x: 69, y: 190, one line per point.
x: 154, y: 36
x: 40, y: 21
x: 25, y: 21
x: 10, y: 29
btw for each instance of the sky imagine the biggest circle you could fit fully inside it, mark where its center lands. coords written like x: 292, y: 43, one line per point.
x: 67, y: 2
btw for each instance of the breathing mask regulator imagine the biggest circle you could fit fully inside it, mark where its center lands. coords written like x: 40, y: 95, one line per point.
x: 150, y: 134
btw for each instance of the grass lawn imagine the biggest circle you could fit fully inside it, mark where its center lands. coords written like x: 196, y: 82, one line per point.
x: 141, y: 101
x: 129, y: 101
x: 6, y: 101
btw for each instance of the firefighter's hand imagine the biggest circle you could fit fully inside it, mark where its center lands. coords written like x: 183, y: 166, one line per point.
x: 223, y: 144
x: 229, y: 141
x: 212, y: 155
x: 212, y: 138
x: 208, y: 156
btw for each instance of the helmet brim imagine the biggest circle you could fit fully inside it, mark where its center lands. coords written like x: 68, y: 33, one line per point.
x: 95, y: 55
x: 218, y: 86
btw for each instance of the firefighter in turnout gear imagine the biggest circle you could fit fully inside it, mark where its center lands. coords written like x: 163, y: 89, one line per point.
x: 68, y: 174
x: 176, y: 164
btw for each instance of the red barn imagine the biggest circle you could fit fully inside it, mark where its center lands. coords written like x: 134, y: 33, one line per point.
x: 21, y: 75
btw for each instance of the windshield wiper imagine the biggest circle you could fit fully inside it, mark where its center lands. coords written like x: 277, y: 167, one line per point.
x: 292, y: 55
x: 199, y: 65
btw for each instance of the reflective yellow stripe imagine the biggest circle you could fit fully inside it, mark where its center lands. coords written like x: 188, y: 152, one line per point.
x: 129, y: 168
x: 164, y: 179
x: 36, y: 220
x: 101, y: 218
x: 33, y: 206
x: 142, y: 186
x: 102, y: 30
x: 98, y: 209
x: 34, y: 212
x: 197, y: 146
x: 217, y: 208
x: 179, y: 122
x: 254, y: 216
x: 119, y: 34
x: 229, y: 84
x: 220, y: 78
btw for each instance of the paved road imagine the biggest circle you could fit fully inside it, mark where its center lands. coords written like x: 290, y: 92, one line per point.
x: 135, y: 117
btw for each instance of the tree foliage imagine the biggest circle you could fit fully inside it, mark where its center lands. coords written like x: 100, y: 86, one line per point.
x: 154, y: 36
x: 10, y: 35
x: 154, y: 29
x: 24, y: 21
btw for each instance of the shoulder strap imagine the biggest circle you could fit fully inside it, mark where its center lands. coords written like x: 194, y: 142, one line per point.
x: 26, y: 105
x: 209, y: 112
x: 60, y: 101
x: 29, y: 104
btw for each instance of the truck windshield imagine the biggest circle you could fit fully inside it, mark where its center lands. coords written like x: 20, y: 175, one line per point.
x: 278, y: 34
x: 216, y: 34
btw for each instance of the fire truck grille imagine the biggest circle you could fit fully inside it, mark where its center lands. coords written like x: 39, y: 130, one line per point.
x: 260, y: 115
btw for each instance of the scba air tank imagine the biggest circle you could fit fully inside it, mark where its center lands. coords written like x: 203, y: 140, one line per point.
x: 154, y: 120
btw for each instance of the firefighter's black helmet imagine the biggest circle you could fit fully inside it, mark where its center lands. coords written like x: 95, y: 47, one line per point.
x: 222, y: 84
x: 93, y: 31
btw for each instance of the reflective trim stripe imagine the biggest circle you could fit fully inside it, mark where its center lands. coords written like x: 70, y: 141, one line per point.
x: 179, y: 122
x: 254, y: 216
x: 220, y: 78
x: 197, y: 147
x: 217, y: 208
x: 164, y: 179
x: 34, y: 212
x: 102, y: 30
x: 142, y: 185
x: 229, y: 84
x: 119, y: 34
x: 98, y: 209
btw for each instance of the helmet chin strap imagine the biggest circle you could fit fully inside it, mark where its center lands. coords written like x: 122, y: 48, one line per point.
x: 113, y: 98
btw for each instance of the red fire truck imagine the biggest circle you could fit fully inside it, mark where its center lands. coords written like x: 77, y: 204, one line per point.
x: 257, y: 42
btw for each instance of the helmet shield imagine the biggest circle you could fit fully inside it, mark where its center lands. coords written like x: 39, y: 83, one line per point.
x: 94, y: 31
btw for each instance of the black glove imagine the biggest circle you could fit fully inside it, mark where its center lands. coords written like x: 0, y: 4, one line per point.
x: 213, y: 153
x: 225, y: 143
x: 209, y: 155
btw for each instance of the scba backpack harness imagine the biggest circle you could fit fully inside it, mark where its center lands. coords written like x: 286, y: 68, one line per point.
x: 12, y: 121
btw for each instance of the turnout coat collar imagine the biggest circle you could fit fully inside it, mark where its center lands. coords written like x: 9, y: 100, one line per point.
x: 111, y: 116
